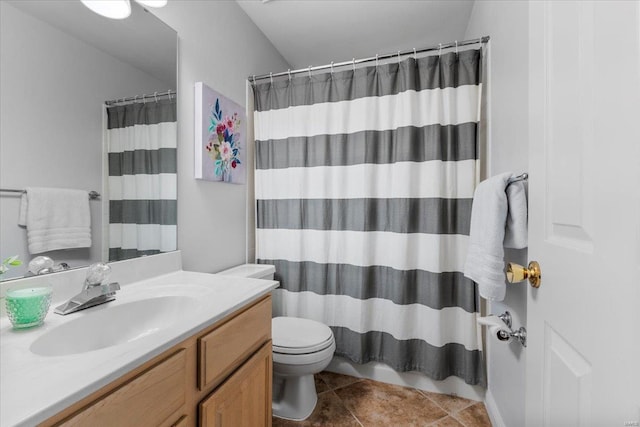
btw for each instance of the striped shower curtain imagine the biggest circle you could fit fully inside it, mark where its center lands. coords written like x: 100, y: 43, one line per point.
x: 364, y: 183
x: 142, y: 143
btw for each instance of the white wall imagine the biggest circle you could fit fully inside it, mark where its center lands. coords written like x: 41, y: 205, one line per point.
x: 220, y: 46
x: 507, y: 24
x: 53, y: 87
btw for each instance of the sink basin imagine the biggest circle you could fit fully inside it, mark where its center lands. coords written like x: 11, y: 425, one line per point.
x: 105, y: 326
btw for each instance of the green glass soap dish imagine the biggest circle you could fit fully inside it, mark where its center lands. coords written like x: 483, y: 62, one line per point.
x: 28, y: 306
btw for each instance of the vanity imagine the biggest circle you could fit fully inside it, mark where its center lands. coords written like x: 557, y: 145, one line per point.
x: 177, y: 349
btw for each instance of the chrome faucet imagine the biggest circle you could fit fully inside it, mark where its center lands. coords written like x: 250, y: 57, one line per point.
x: 95, y: 290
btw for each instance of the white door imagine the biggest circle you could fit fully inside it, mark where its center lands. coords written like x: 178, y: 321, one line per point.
x: 583, y: 355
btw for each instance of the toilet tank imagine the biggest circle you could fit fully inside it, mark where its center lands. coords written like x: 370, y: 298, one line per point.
x: 254, y: 271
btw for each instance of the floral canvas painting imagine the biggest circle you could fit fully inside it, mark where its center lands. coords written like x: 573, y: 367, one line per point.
x: 220, y: 137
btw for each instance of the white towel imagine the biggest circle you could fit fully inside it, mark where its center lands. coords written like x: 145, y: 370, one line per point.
x: 496, y: 207
x: 56, y: 218
x: 515, y: 234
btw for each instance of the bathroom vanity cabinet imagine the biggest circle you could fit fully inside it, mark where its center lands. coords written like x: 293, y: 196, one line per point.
x: 221, y: 376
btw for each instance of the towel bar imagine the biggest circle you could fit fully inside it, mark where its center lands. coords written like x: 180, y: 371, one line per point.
x: 93, y: 195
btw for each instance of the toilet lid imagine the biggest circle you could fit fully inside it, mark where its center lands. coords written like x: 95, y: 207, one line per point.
x: 295, y: 335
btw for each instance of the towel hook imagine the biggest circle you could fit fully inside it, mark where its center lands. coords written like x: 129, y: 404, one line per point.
x: 522, y: 177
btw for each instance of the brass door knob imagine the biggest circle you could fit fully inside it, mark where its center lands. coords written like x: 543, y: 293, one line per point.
x: 517, y: 273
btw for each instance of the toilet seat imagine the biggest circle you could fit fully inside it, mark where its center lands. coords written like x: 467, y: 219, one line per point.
x: 303, y: 350
x: 304, y: 358
x: 294, y: 335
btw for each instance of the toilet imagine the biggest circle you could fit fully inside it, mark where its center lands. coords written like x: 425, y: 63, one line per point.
x: 301, y: 348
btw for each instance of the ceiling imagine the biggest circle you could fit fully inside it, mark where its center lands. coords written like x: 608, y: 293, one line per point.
x: 141, y: 40
x: 316, y: 32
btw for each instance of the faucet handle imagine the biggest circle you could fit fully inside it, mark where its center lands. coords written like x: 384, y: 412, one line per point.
x: 97, y: 273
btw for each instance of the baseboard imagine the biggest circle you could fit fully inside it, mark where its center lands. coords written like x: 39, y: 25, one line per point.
x: 492, y: 410
x: 380, y: 372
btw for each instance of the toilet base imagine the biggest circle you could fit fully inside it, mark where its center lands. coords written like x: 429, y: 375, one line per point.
x: 294, y: 397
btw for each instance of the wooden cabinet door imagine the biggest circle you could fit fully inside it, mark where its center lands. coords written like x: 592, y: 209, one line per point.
x: 148, y: 400
x: 244, y: 399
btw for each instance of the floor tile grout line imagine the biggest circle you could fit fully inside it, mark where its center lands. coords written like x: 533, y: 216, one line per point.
x: 438, y: 420
x: 468, y: 406
x: 473, y: 402
x: 458, y: 420
x: 453, y: 415
x: 345, y: 385
x: 347, y: 408
x: 435, y: 403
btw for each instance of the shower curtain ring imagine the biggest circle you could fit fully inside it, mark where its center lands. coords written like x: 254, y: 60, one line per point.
x: 155, y: 95
x: 398, y: 57
x: 376, y: 60
x: 456, y: 47
x: 254, y: 79
x: 289, y: 72
x: 415, y: 55
x: 309, y: 71
x: 439, y: 49
x: 331, y: 68
x: 271, y: 77
x: 135, y: 99
x: 354, y: 64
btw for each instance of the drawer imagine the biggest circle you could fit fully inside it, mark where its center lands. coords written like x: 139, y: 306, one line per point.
x: 228, y: 346
x: 136, y: 402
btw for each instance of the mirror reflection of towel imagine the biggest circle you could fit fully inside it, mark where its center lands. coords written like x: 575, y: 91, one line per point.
x: 56, y: 218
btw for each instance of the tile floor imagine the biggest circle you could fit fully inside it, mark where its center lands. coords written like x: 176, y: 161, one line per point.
x: 349, y: 401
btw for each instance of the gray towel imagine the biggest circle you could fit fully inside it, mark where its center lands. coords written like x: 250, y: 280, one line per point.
x: 498, y: 219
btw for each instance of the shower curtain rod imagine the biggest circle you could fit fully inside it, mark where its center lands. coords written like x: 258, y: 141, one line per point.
x: 142, y: 98
x: 353, y: 62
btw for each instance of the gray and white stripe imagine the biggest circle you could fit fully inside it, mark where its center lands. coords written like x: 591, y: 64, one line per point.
x: 364, y: 184
x: 142, y: 142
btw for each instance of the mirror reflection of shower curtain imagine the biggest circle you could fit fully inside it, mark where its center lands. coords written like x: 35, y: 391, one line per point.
x: 364, y: 182
x: 142, y: 144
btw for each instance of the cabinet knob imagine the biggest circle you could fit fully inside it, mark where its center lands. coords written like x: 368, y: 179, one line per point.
x: 517, y: 273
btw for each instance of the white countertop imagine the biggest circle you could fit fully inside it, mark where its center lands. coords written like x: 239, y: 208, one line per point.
x: 34, y: 387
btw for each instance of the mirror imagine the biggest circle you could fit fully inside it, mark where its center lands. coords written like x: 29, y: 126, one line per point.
x: 60, y: 63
